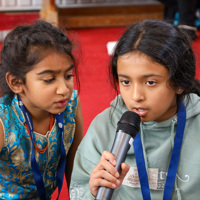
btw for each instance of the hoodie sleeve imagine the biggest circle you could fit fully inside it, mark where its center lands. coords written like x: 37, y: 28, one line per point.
x: 98, y: 138
x: 87, y: 157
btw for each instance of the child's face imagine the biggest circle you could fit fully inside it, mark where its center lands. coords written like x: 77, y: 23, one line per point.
x: 49, y: 84
x: 144, y: 87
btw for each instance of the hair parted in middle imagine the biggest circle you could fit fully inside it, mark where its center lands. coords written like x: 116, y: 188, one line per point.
x: 165, y: 44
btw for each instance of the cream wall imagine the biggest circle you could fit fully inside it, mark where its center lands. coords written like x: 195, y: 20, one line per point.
x: 20, y: 5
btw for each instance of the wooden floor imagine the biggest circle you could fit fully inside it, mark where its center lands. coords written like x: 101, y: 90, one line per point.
x: 106, y: 16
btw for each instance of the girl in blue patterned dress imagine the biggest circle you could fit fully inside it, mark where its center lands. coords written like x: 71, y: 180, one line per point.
x: 40, y: 112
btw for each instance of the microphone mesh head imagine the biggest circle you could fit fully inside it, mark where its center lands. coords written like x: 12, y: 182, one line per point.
x: 129, y: 123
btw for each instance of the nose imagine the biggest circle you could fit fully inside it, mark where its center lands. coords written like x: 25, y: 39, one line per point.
x: 137, y: 93
x: 62, y: 88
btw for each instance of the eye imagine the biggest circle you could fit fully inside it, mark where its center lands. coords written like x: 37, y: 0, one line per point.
x: 125, y: 82
x: 69, y: 76
x: 151, y: 83
x: 49, y: 80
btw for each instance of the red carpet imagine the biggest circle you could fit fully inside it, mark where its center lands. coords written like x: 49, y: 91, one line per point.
x: 96, y: 92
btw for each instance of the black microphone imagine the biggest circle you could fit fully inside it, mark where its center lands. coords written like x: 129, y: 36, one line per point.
x: 127, y: 128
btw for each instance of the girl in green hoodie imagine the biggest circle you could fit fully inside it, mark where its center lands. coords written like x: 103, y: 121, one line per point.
x: 153, y: 66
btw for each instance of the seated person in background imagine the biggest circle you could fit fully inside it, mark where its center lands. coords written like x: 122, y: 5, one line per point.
x: 183, y: 14
x: 153, y: 66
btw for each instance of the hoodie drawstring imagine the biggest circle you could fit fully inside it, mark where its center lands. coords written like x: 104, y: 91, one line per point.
x: 172, y: 142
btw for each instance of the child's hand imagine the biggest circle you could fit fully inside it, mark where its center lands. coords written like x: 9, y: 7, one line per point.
x: 105, y: 174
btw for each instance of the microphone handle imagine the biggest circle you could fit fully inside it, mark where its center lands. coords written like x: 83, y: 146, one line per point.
x: 120, y: 148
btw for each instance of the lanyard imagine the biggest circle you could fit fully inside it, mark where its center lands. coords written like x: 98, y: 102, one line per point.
x: 171, y: 175
x: 35, y: 168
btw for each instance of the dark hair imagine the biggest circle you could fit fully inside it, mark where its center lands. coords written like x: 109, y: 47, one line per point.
x: 26, y: 46
x: 165, y: 44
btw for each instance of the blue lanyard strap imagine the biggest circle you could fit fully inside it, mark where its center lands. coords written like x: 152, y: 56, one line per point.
x: 35, y: 168
x: 175, y: 153
x: 143, y: 177
x: 62, y: 161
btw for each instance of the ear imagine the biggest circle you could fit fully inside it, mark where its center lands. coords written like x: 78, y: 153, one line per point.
x: 179, y: 90
x: 14, y: 83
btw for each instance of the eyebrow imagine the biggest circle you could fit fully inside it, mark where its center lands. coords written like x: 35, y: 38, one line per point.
x: 144, y: 76
x: 54, y: 71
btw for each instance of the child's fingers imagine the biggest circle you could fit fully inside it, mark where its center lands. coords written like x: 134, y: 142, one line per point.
x: 94, y: 185
x: 109, y: 157
x: 107, y: 167
x: 101, y: 177
x: 105, y: 180
x: 103, y: 174
x: 125, y: 168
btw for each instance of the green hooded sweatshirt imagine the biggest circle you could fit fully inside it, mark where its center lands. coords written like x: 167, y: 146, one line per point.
x: 158, y: 142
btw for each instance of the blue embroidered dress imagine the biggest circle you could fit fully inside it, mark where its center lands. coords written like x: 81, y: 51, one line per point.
x: 16, y: 177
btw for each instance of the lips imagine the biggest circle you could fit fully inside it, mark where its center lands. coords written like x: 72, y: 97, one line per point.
x: 62, y: 103
x: 140, y: 111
